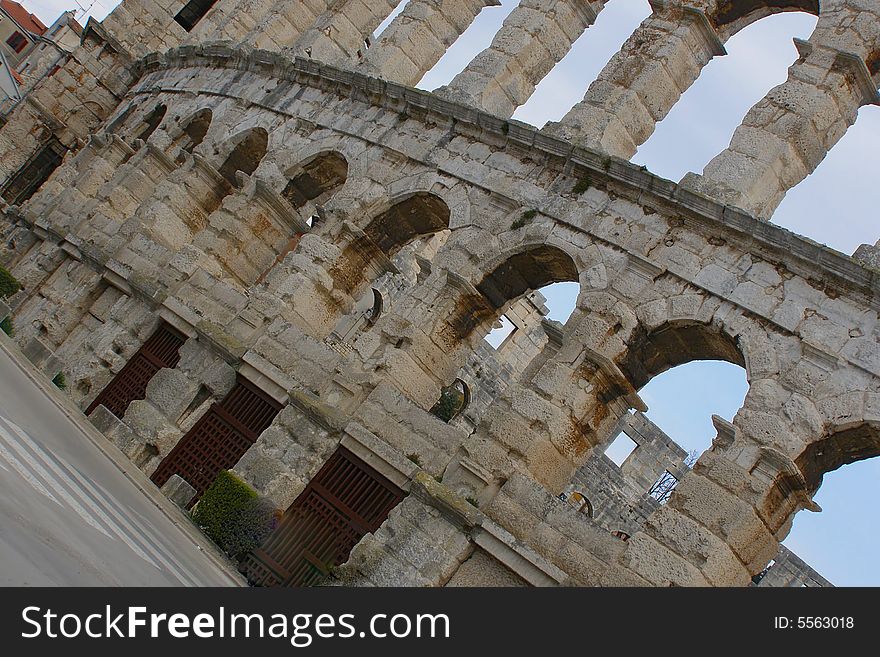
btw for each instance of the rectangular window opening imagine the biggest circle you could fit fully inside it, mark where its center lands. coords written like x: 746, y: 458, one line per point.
x: 192, y: 12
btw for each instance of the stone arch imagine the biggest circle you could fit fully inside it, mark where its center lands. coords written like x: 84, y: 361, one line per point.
x: 730, y: 16
x: 675, y: 343
x: 316, y: 179
x: 839, y: 447
x: 454, y: 400
x: 195, y: 128
x: 150, y: 122
x: 581, y: 502
x: 504, y: 281
x: 529, y: 269
x: 417, y: 215
x: 249, y: 150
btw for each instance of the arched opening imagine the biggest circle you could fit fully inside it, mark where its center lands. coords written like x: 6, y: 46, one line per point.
x: 317, y: 181
x: 733, y: 15
x: 686, y: 374
x: 702, y: 122
x: 365, y: 313
x: 580, y: 501
x: 246, y: 156
x: 150, y: 123
x: 525, y: 271
x: 529, y: 270
x: 838, y: 449
x: 841, y: 542
x: 674, y: 344
x: 454, y: 399
x: 417, y: 216
x: 566, y: 83
x: 196, y: 129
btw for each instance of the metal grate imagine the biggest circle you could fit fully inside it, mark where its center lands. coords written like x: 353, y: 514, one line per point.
x: 344, y: 501
x: 28, y: 179
x: 219, y: 438
x: 160, y: 350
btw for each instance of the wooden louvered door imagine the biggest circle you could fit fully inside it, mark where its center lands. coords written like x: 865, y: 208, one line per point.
x: 219, y: 438
x: 344, y: 501
x: 162, y: 349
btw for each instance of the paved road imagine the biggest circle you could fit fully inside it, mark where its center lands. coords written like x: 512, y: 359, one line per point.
x: 68, y: 516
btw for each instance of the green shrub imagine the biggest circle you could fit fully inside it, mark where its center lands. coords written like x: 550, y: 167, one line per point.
x: 59, y: 381
x: 582, y: 185
x: 9, y: 284
x: 234, y: 516
x: 450, y: 402
x: 6, y: 326
x: 525, y: 218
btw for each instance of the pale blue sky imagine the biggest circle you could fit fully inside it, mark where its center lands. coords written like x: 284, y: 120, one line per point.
x: 834, y: 206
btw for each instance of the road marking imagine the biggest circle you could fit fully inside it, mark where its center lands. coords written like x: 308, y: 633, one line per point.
x: 48, y: 480
x: 97, y: 498
x: 21, y: 470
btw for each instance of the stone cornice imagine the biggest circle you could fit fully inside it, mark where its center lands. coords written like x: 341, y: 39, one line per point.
x: 805, y: 255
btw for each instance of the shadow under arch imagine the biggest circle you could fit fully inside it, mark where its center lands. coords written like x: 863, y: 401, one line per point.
x: 316, y: 179
x: 249, y: 150
x: 836, y: 449
x: 731, y: 16
x: 195, y: 129
x: 150, y: 122
x: 414, y: 216
x: 673, y: 344
x: 530, y: 269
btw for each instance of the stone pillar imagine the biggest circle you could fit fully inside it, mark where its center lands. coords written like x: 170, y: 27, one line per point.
x: 419, y: 36
x: 869, y: 255
x: 533, y: 39
x: 642, y: 82
x: 342, y: 34
x: 280, y: 25
x: 788, y: 133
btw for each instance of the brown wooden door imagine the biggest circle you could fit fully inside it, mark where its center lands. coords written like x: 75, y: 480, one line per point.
x: 219, y: 438
x: 344, y: 501
x: 162, y: 349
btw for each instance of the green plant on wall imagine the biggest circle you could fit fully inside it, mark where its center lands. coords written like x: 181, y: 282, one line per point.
x: 60, y: 381
x: 450, y: 403
x: 6, y: 326
x: 9, y: 284
x: 234, y: 516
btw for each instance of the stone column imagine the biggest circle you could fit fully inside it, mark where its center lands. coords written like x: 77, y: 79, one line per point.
x: 725, y: 519
x: 642, y: 82
x: 533, y: 39
x: 283, y: 25
x: 788, y: 133
x: 419, y: 36
x: 869, y: 255
x: 342, y: 34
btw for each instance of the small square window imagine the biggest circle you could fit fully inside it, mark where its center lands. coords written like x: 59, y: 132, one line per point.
x: 17, y: 41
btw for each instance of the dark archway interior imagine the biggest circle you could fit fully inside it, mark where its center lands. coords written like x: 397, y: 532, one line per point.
x: 672, y: 345
x: 839, y: 449
x: 151, y: 122
x: 730, y: 11
x: 197, y: 128
x: 419, y: 215
x: 322, y: 176
x: 526, y: 271
x: 246, y: 156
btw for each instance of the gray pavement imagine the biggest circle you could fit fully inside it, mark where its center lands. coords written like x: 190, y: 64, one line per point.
x: 72, y: 513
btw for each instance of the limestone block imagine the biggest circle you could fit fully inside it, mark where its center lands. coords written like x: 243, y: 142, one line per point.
x: 178, y: 491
